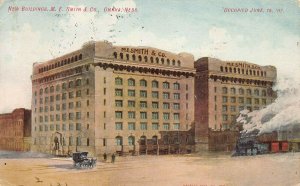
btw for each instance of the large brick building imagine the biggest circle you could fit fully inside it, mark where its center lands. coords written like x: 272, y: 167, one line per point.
x: 105, y: 98
x: 222, y: 90
x: 15, y: 130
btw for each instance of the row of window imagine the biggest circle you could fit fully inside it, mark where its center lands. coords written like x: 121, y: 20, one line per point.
x: 139, y: 58
x: 78, y: 142
x: 61, y: 63
x: 144, y: 115
x: 243, y: 71
x: 144, y: 104
x: 143, y: 94
x: 242, y: 91
x: 71, y: 84
x: 144, y: 126
x: 63, y: 96
x: 242, y: 100
x: 143, y: 83
x: 233, y: 108
x: 63, y: 117
x: 58, y: 127
x: 63, y: 106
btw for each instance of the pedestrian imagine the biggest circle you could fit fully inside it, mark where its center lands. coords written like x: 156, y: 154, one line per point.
x: 113, y: 157
x: 104, y: 156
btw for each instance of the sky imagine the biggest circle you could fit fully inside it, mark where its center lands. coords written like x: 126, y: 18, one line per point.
x: 215, y: 28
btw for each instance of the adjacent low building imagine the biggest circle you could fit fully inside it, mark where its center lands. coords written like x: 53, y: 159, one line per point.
x: 222, y: 90
x: 15, y: 130
x: 105, y: 99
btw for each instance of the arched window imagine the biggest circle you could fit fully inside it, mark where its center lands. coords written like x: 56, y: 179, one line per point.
x: 143, y: 140
x: 76, y: 58
x: 115, y: 55
x: 78, y: 82
x: 234, y: 70
x: 230, y: 69
x: 250, y: 72
x: 157, y: 60
x: 133, y: 57
x: 131, y: 82
x: 239, y: 70
x: 241, y: 91
x: 176, y: 86
x: 131, y: 140
x: 254, y: 72
x: 127, y: 56
x: 121, y: 55
x: 118, y: 81
x: 154, y: 84
x: 166, y: 85
x: 224, y: 90
x: 61, y: 63
x: 221, y: 68
x: 173, y: 62
x: 178, y: 63
x: 52, y: 89
x: 57, y: 87
x: 80, y: 56
x: 248, y: 91
x: 256, y: 92
x: 226, y: 70
x: 151, y: 59
x: 146, y: 59
x: 243, y: 71
x: 69, y: 60
x: 72, y: 59
x: 143, y: 83
x: 71, y: 84
x: 232, y: 90
x: 119, y: 140
x: 140, y: 58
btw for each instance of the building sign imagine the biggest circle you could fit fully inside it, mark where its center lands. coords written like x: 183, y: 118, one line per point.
x: 243, y: 65
x: 144, y: 51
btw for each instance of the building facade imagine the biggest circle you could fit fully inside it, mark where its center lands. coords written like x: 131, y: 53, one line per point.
x: 222, y: 90
x: 15, y: 130
x: 106, y: 99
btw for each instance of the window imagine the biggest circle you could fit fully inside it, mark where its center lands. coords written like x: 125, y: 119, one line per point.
x: 232, y: 99
x: 241, y: 91
x: 119, y: 126
x: 241, y: 108
x: 71, y: 116
x: 154, y: 94
x: 232, y: 90
x: 143, y: 115
x: 154, y: 84
x: 78, y: 82
x: 263, y: 93
x: 264, y: 102
x: 87, y: 142
x: 155, y: 105
x: 64, y: 86
x: 71, y: 95
x: 176, y: 126
x: 177, y: 96
x: 166, y: 105
x: 248, y: 91
x: 51, y: 98
x: 166, y: 126
x: 46, y: 90
x: 130, y: 140
x: 249, y: 101
x: 118, y: 92
x: 154, y: 126
x: 176, y: 106
x: 143, y: 126
x: 131, y: 126
x: 224, y: 90
x: 78, y: 93
x: 143, y: 83
x: 154, y: 115
x: 78, y: 141
x: 71, y: 126
x: 118, y: 81
x: 224, y: 98
x: 166, y: 95
x: 57, y: 107
x: 176, y: 86
x: 131, y: 115
x: 57, y: 88
x: 241, y: 100
x: 78, y: 115
x: 166, y: 116
x: 71, y: 84
x: 64, y: 116
x: 71, y: 141
x: 64, y: 127
x: 78, y: 104
x: 166, y: 85
x: 57, y: 97
x: 143, y: 93
x: 256, y: 92
x: 119, y: 140
x: 131, y: 82
x: 131, y: 103
x: 143, y: 104
x: 256, y: 101
x: 64, y: 96
x: 225, y: 117
x: 57, y: 117
x: 118, y: 114
x: 104, y: 142
x: 71, y: 105
x: 176, y: 116
x: 131, y: 93
x: 78, y: 126
x: 224, y: 108
x: 119, y: 103
x: 232, y: 108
